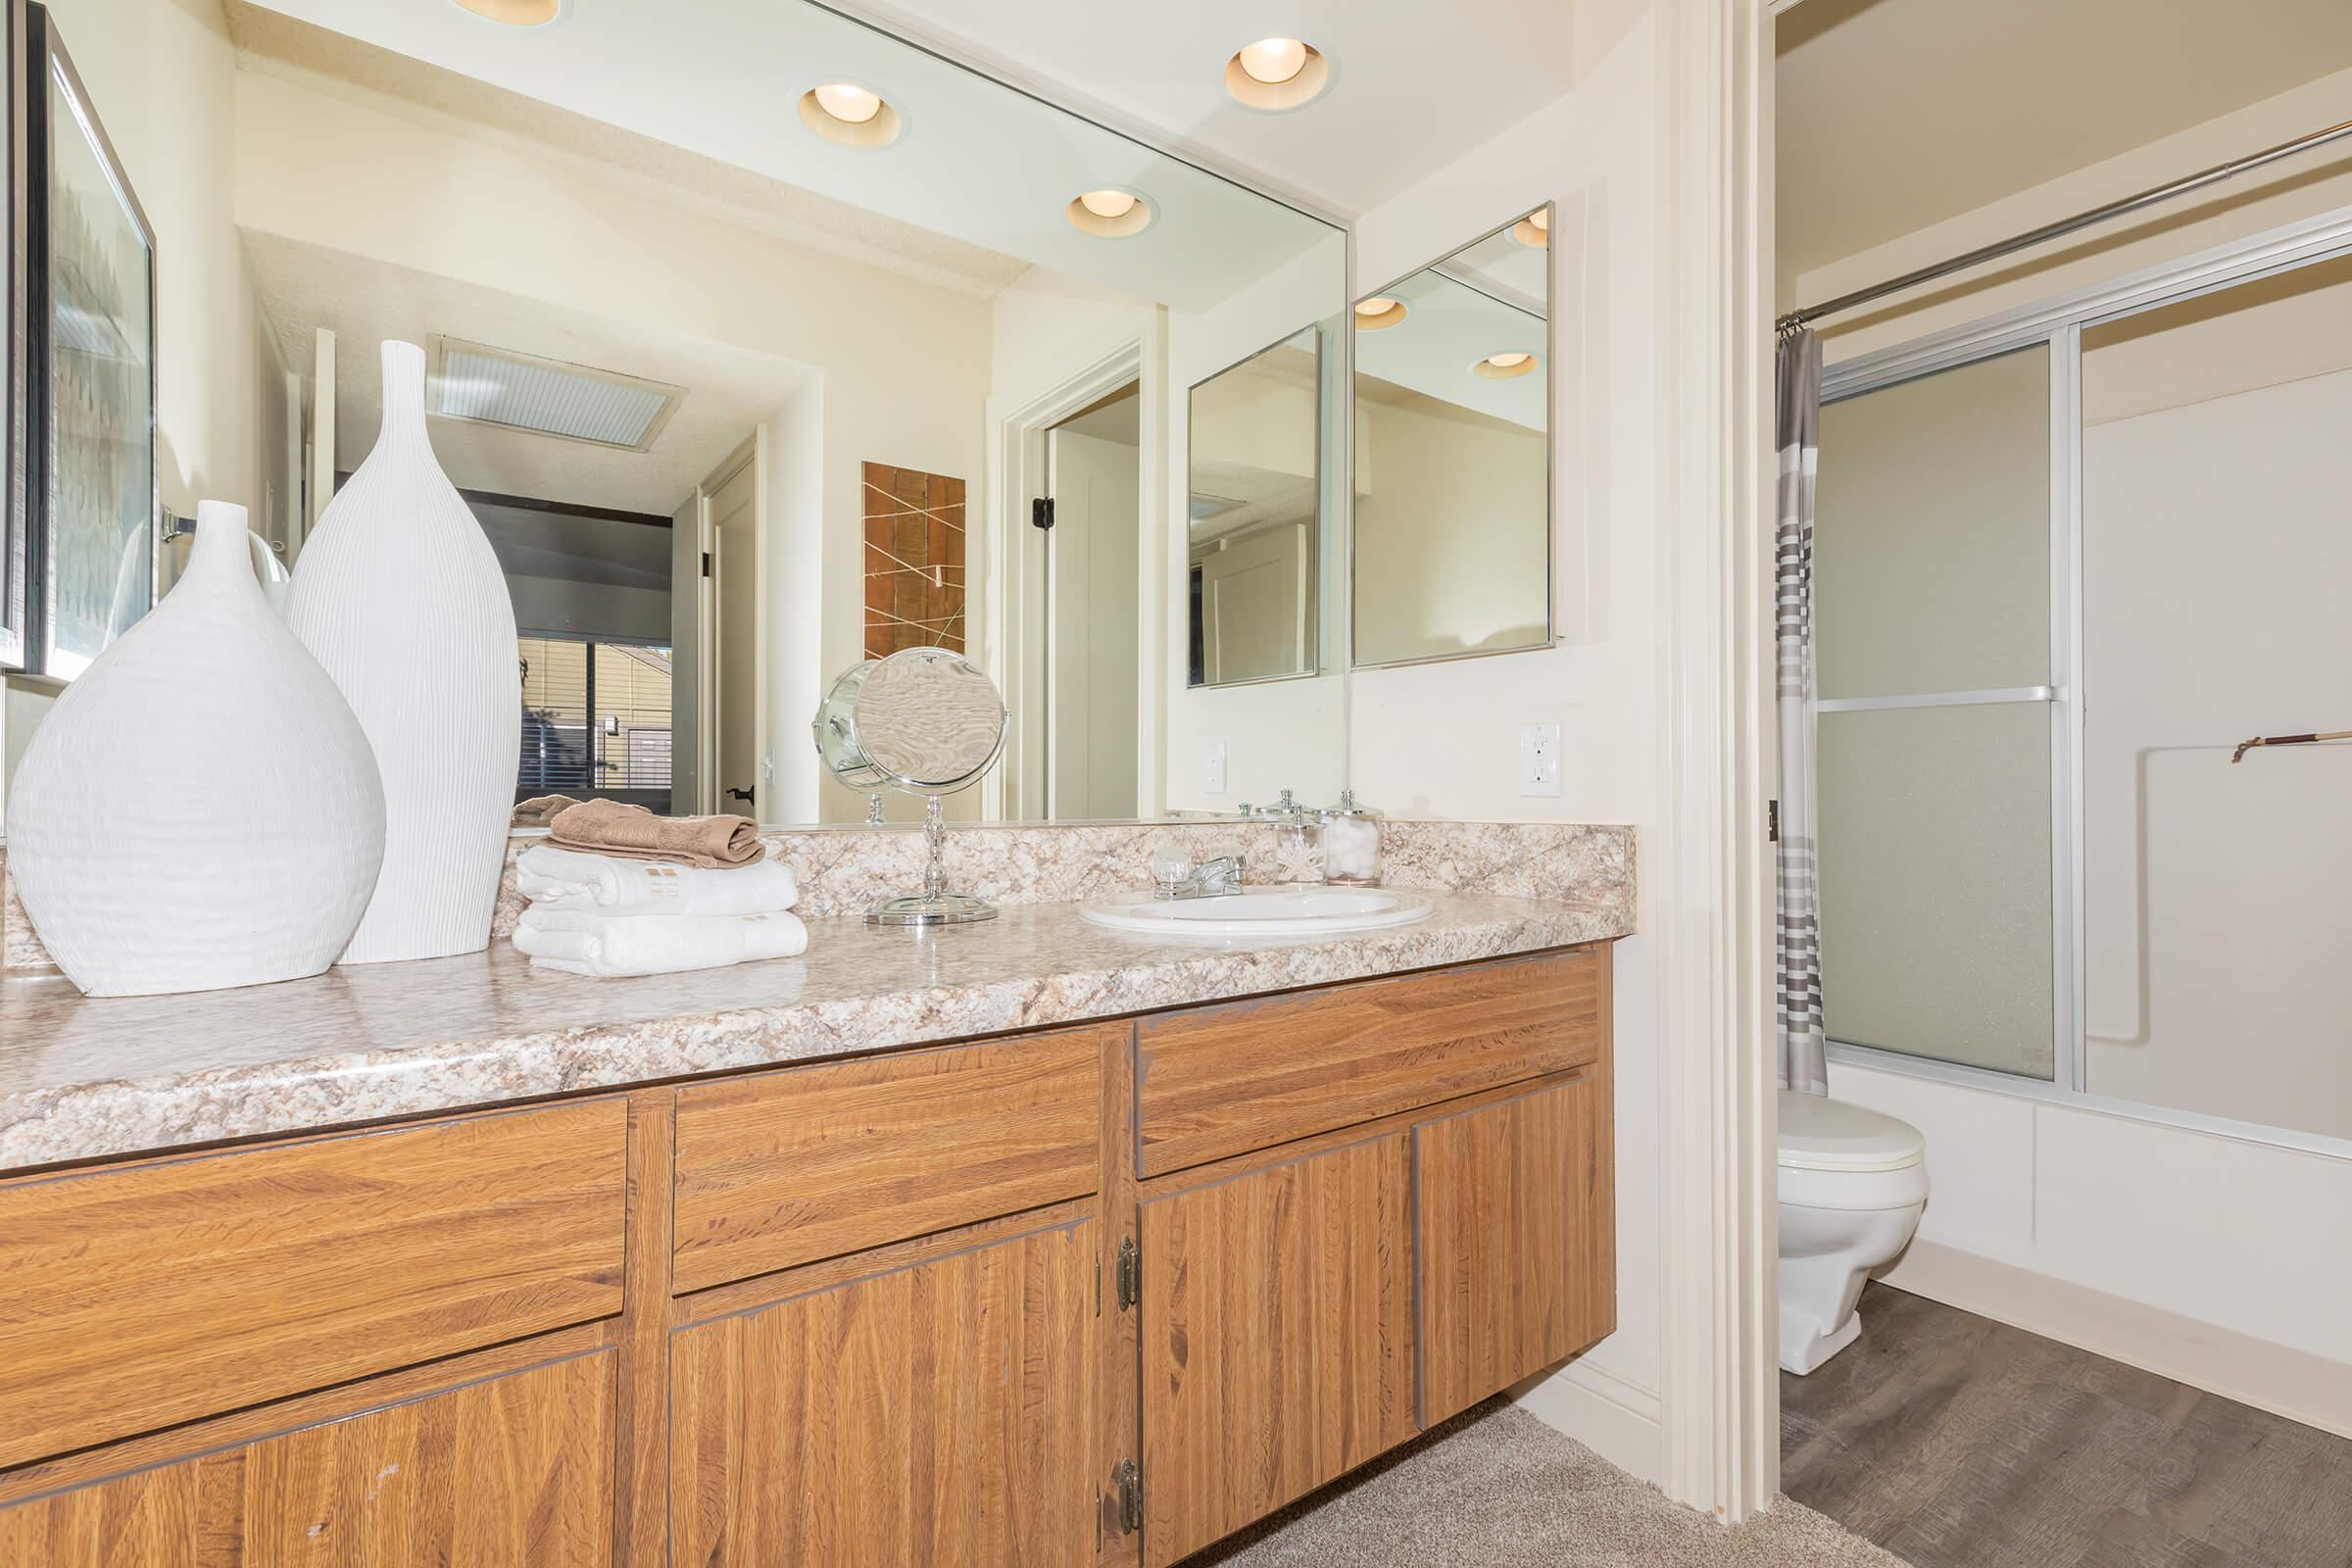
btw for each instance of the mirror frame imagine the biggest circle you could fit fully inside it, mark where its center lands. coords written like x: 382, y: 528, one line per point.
x: 1316, y: 666
x: 1551, y: 458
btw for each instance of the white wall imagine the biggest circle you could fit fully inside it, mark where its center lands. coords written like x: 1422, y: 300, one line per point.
x: 1442, y: 740
x: 2245, y: 1244
x: 2217, y: 545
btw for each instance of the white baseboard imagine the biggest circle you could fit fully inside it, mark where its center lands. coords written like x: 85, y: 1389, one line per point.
x: 1613, y: 1416
x: 2296, y: 1384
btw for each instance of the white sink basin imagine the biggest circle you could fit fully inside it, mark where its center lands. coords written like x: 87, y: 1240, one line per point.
x: 1282, y: 911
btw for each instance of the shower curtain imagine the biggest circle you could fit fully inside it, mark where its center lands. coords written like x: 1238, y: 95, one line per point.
x: 1798, y: 924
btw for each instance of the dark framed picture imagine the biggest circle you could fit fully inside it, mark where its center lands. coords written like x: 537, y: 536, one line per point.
x: 16, y: 565
x: 91, y: 473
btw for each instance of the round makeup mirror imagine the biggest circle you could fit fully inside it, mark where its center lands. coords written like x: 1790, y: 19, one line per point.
x: 923, y: 722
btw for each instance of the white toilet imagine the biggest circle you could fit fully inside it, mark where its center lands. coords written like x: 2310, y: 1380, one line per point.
x: 1852, y: 1184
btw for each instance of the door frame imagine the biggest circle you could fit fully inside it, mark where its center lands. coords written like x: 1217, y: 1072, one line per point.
x: 1013, y: 648
x: 705, y: 642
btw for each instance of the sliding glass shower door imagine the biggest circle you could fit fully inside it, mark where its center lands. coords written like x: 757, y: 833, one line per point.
x: 1941, y: 735
x: 2066, y: 562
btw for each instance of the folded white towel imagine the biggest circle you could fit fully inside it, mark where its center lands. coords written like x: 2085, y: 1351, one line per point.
x: 571, y: 879
x: 581, y: 941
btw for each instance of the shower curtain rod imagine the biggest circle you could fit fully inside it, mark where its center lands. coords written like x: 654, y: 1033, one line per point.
x: 1796, y: 319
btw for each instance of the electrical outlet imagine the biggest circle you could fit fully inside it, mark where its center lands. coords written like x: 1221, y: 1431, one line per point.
x: 1540, y: 760
x: 1214, y: 781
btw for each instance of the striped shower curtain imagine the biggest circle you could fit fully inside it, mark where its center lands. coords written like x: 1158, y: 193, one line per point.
x: 1804, y: 1062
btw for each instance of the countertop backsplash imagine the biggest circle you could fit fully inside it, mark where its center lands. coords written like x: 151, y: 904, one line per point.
x: 844, y: 870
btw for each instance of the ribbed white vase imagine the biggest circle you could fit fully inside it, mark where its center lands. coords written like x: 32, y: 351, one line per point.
x: 400, y: 597
x: 201, y: 809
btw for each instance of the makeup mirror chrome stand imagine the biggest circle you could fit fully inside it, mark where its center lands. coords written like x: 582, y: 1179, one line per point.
x: 923, y: 722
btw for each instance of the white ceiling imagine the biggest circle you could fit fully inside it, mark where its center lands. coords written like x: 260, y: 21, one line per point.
x: 990, y: 166
x: 365, y: 301
x: 1893, y: 115
x: 1414, y: 85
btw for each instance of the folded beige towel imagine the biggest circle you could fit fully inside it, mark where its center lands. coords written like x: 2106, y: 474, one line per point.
x: 608, y: 827
x: 541, y: 810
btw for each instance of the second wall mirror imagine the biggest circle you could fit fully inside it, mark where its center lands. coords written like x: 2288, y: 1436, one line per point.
x: 1452, y: 522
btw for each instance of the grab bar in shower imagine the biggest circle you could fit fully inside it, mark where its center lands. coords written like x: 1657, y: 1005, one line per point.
x: 2243, y: 747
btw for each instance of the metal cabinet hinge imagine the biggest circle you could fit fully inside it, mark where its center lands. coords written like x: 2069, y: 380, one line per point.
x: 1130, y: 1274
x: 1128, y: 1482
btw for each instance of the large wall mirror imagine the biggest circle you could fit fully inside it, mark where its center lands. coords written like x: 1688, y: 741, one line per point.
x: 761, y: 343
x: 1453, y: 514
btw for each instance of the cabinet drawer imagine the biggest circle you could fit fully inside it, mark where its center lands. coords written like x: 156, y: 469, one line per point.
x: 140, y: 1296
x: 1225, y: 1080
x: 788, y: 1167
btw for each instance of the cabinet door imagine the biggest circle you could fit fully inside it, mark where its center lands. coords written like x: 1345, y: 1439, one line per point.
x: 1513, y: 1242
x: 940, y: 1414
x: 1277, y: 1337
x: 513, y: 1470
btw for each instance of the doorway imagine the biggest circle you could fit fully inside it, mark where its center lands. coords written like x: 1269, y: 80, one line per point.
x: 1092, y: 563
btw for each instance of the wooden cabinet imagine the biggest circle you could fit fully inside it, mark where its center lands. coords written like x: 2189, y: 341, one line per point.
x: 1277, y: 1337
x: 940, y: 1414
x: 1087, y: 1297
x: 1513, y: 1246
x: 509, y: 1471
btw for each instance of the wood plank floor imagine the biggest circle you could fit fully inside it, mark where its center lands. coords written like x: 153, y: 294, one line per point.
x: 1955, y: 1442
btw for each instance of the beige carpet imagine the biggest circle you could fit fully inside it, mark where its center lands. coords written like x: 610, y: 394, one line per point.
x: 1499, y: 1488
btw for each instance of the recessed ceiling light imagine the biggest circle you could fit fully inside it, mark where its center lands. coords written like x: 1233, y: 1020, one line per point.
x: 1378, y: 311
x: 1273, y: 61
x: 1112, y: 212
x: 1276, y: 73
x: 1535, y: 229
x: 849, y: 116
x: 1503, y: 366
x: 515, y: 13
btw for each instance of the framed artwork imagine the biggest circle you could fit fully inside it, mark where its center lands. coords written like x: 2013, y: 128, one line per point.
x: 913, y: 561
x: 16, y: 565
x: 92, y: 467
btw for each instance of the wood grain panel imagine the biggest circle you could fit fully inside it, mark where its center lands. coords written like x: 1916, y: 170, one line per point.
x: 1277, y: 1337
x: 1514, y: 1270
x: 940, y: 1414
x: 1220, y: 1081
x: 138, y: 1296
x: 514, y: 1470
x: 641, y: 1418
x: 788, y: 1167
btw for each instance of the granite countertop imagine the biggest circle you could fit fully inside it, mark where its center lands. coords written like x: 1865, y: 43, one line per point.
x: 83, y: 1078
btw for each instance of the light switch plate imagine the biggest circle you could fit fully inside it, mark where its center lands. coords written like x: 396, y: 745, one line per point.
x: 1540, y: 760
x: 1214, y: 781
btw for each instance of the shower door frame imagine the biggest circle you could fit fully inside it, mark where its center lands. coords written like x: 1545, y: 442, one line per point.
x: 2058, y: 323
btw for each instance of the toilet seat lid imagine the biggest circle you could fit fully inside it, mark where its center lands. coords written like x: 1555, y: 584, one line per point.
x: 1822, y: 1133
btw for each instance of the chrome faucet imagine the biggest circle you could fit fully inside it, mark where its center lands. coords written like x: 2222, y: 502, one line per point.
x: 1212, y: 878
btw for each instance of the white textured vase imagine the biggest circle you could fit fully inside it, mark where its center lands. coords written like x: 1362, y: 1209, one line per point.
x: 200, y: 809
x: 400, y: 597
